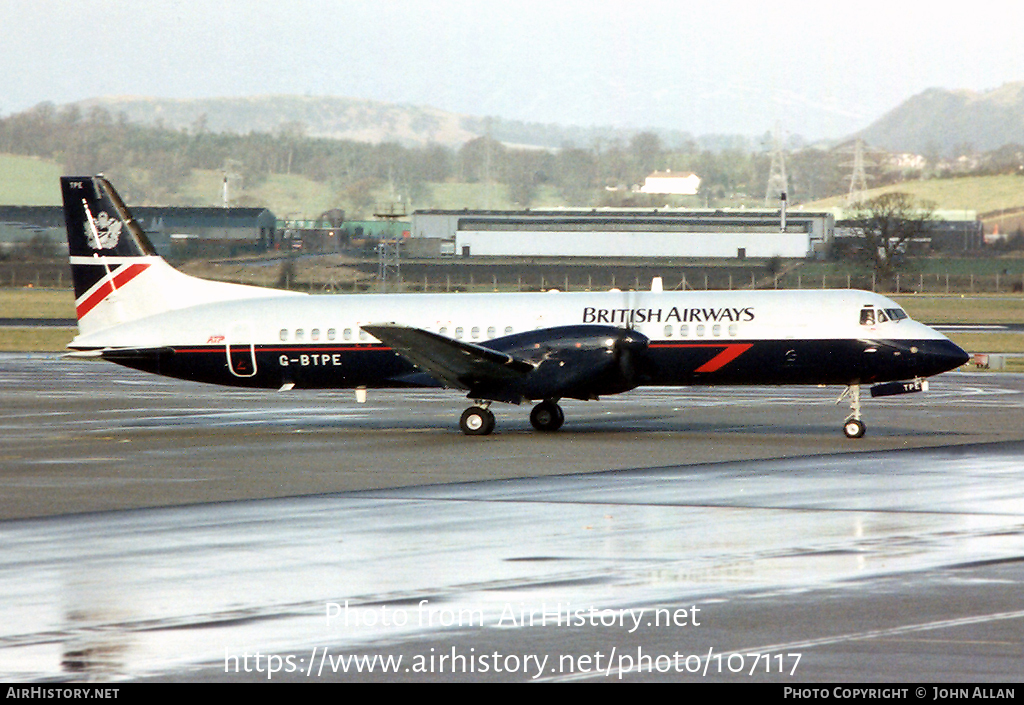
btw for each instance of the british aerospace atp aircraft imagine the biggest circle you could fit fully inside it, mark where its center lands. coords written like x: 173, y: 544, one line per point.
x: 136, y: 310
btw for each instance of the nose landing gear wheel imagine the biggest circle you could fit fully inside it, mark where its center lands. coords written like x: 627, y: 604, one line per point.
x: 547, y: 416
x: 477, y: 421
x: 854, y: 428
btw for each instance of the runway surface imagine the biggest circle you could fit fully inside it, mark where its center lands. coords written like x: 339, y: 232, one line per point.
x: 82, y: 436
x: 774, y: 548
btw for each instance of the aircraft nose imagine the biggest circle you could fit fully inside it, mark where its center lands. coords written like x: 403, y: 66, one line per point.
x: 944, y: 355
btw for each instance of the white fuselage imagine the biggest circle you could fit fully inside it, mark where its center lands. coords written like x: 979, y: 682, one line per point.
x: 476, y: 318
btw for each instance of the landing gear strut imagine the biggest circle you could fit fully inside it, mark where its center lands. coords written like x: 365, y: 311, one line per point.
x: 547, y: 416
x: 853, y: 427
x: 477, y: 421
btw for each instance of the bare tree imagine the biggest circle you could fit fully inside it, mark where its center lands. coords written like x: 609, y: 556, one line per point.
x: 647, y: 153
x: 886, y: 226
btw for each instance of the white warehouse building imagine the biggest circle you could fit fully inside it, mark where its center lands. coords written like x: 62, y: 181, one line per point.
x: 680, y: 183
x: 627, y: 233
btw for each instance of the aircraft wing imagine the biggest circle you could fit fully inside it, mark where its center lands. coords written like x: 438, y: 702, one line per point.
x: 454, y: 363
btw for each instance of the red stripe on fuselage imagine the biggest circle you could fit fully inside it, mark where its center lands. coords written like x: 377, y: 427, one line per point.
x: 731, y: 352
x: 319, y: 349
x: 121, y: 276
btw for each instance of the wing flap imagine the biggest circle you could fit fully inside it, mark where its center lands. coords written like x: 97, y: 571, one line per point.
x: 454, y: 363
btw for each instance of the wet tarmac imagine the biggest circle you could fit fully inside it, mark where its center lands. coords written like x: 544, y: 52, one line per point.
x: 81, y: 436
x: 158, y: 529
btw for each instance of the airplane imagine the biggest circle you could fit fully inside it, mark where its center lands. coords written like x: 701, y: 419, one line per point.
x: 136, y: 310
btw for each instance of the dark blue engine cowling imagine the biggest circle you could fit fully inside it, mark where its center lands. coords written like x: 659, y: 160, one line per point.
x: 578, y: 362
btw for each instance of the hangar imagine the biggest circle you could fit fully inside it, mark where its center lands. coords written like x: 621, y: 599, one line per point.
x: 642, y: 233
x: 211, y: 229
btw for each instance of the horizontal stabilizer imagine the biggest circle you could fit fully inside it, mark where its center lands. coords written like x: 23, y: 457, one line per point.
x: 121, y: 354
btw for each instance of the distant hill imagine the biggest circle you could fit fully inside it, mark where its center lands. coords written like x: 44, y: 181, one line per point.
x: 338, y: 118
x: 372, y: 121
x: 938, y: 121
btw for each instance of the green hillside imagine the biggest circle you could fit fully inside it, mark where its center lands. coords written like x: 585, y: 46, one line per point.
x: 286, y: 196
x: 978, y: 193
x: 28, y: 181
x: 34, y: 182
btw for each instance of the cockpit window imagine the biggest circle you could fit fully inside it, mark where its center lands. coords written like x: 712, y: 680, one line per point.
x: 869, y: 315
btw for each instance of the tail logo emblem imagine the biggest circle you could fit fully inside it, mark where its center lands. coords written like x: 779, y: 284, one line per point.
x: 103, y: 232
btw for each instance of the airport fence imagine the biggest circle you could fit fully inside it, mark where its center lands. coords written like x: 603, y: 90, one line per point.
x: 49, y: 275
x: 942, y: 283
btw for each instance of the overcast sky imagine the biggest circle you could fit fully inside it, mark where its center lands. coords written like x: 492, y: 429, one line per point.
x: 822, y: 69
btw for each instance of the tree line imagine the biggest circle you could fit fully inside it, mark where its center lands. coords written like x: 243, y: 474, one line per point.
x: 151, y: 163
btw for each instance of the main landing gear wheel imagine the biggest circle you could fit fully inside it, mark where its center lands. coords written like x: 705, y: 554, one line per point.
x: 547, y: 416
x: 477, y: 421
x: 854, y: 428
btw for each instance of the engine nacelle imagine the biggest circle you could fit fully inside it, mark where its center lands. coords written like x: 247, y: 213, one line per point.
x: 579, y: 362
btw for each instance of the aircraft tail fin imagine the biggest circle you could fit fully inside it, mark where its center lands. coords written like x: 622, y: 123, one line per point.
x: 98, y: 222
x: 117, y: 273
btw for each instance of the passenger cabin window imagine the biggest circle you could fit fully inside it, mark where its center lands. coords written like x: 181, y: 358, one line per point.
x: 668, y: 331
x: 475, y: 332
x: 700, y: 330
x: 684, y: 331
x: 284, y: 335
x: 300, y: 334
x: 458, y: 333
x: 733, y: 329
x: 362, y: 335
x: 332, y: 334
x: 347, y: 334
x: 716, y: 329
x: 508, y: 330
x: 314, y: 334
x: 867, y: 317
x: 443, y: 330
x: 491, y: 331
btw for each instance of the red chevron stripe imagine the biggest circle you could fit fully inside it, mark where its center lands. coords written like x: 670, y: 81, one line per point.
x: 731, y: 352
x: 121, y: 276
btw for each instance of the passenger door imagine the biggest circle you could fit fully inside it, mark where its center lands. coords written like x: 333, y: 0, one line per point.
x: 241, y: 350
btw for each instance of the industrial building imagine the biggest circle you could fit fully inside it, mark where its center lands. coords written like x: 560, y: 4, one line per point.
x: 665, y: 182
x: 173, y: 231
x: 949, y: 231
x: 210, y: 229
x: 643, y: 233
